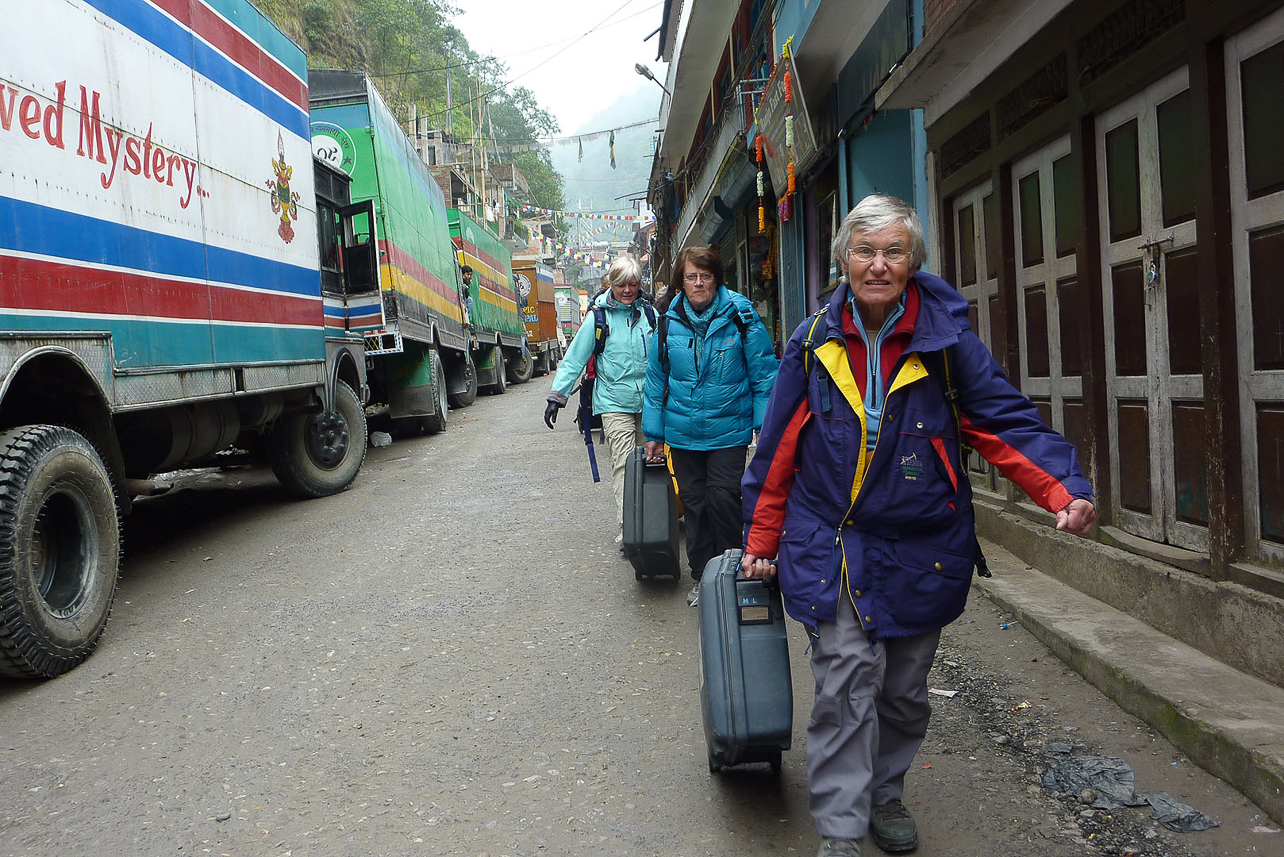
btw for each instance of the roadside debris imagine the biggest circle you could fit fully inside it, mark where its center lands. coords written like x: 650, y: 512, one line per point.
x: 1105, y: 782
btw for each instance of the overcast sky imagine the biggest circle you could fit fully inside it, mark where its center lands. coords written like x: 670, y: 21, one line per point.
x: 573, y: 75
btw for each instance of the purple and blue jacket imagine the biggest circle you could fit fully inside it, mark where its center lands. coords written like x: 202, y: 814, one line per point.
x: 890, y: 527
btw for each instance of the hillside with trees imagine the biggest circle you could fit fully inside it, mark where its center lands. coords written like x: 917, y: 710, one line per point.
x: 408, y: 47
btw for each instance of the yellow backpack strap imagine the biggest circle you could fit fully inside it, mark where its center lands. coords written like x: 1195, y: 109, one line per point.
x: 809, y: 344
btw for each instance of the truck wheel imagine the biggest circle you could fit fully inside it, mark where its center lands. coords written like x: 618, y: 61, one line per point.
x: 522, y: 369
x: 468, y: 395
x: 436, y: 421
x: 501, y: 374
x: 59, y: 550
x: 314, y: 455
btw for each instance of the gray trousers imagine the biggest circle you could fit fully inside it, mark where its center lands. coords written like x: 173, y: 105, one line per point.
x: 867, y: 723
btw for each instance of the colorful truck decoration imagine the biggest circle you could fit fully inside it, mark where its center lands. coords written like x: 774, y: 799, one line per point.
x: 423, y: 357
x: 534, y: 282
x: 495, y: 318
x: 160, y: 289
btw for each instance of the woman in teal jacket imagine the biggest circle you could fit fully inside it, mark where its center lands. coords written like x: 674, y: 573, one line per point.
x: 621, y: 367
x: 707, y: 384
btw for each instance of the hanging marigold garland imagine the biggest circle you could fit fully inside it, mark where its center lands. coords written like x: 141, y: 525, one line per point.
x: 762, y: 210
x: 785, y: 208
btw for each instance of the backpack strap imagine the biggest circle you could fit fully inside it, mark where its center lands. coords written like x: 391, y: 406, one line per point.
x: 938, y: 366
x: 601, y: 330
x: 809, y: 345
x: 662, y: 343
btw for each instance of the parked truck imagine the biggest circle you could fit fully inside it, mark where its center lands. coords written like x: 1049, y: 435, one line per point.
x: 534, y: 283
x: 160, y: 289
x: 422, y: 357
x: 569, y: 315
x: 494, y: 319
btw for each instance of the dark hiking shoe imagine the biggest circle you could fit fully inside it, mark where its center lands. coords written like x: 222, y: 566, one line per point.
x: 893, y: 827
x: 839, y: 848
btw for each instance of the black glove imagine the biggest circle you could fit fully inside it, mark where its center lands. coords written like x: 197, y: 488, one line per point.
x: 550, y: 413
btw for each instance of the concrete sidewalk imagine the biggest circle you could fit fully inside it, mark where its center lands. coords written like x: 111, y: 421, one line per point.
x: 1229, y: 723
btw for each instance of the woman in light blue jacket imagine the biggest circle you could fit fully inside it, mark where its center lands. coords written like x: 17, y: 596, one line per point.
x: 621, y: 367
x: 707, y: 385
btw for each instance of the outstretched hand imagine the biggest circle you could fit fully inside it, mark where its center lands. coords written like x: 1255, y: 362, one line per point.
x: 550, y: 413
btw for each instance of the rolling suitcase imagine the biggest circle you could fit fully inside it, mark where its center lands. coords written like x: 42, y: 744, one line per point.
x: 650, y: 518
x: 746, y: 693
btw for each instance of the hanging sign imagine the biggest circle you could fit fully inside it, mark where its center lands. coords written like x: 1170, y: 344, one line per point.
x: 781, y: 99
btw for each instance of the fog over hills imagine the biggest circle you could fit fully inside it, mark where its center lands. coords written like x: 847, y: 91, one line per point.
x: 591, y: 184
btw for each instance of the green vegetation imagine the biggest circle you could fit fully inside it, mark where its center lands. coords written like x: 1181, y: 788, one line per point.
x: 406, y: 45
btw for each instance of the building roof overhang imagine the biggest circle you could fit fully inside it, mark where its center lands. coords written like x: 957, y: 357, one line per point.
x: 964, y: 48
x: 691, y: 74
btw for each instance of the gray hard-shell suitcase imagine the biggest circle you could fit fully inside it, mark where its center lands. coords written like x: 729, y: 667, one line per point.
x: 650, y: 518
x: 746, y: 693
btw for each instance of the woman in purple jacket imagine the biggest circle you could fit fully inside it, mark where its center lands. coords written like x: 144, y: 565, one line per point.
x: 858, y: 488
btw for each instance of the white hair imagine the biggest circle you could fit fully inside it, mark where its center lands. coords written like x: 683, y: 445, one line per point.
x: 623, y: 270
x: 875, y: 213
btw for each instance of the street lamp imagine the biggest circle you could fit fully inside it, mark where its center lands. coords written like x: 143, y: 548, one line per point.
x: 646, y: 72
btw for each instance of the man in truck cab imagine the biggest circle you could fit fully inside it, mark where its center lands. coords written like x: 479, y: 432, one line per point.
x: 467, y: 273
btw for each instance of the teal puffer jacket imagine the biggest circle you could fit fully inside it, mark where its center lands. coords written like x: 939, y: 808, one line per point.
x: 621, y: 367
x: 718, y: 387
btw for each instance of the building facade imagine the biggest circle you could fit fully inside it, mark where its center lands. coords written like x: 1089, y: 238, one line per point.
x: 1103, y: 181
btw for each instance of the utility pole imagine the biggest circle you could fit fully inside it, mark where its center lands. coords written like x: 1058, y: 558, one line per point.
x: 450, y: 107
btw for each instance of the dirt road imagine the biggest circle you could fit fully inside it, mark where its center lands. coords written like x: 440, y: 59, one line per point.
x: 453, y: 658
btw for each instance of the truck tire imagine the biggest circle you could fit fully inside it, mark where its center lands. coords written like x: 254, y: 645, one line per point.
x: 436, y: 421
x: 59, y: 550
x: 468, y: 395
x: 317, y: 454
x: 522, y: 368
x: 500, y: 387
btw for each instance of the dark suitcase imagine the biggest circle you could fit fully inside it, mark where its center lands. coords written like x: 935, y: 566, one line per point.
x: 650, y: 518
x: 746, y: 693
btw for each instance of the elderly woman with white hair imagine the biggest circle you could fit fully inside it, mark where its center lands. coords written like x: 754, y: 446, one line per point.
x: 858, y: 489
x: 620, y: 324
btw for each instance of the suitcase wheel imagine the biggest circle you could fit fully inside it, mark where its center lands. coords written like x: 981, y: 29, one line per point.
x: 714, y: 765
x: 775, y: 763
x: 637, y: 572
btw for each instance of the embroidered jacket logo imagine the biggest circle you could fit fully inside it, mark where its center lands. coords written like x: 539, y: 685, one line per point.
x: 911, y: 467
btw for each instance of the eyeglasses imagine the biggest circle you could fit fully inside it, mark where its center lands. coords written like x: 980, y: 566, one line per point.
x: 866, y: 254
x: 697, y: 278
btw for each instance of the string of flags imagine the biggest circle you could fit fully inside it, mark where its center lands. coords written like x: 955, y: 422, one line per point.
x: 530, y: 209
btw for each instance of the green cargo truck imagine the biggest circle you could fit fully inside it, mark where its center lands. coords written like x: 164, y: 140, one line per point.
x: 422, y: 357
x: 496, y: 325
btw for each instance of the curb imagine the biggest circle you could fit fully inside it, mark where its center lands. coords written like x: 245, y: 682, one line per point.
x: 1226, y: 721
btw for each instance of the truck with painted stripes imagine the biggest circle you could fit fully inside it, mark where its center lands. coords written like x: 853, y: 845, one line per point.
x: 496, y: 323
x: 424, y: 354
x: 539, y: 312
x: 161, y: 288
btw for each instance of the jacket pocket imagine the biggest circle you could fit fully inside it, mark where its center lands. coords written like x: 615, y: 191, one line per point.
x: 922, y: 482
x: 806, y: 561
x: 927, y: 585
x: 725, y: 363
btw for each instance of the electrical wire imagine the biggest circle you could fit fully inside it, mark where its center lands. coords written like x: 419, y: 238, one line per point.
x: 490, y: 59
x: 553, y: 56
